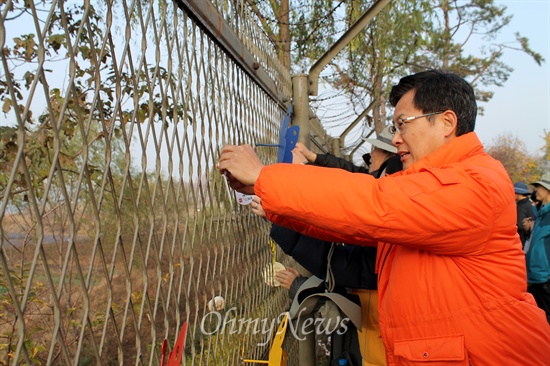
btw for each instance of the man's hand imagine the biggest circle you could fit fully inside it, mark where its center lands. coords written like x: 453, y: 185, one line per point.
x: 241, y: 166
x: 298, y: 158
x: 257, y: 207
x: 286, y: 277
x: 528, y: 224
x: 301, y: 149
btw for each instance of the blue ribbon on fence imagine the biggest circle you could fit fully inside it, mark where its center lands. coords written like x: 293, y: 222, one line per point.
x: 288, y: 136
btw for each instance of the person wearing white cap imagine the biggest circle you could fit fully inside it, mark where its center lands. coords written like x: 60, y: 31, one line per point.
x: 380, y: 157
x: 538, y: 251
x: 346, y: 261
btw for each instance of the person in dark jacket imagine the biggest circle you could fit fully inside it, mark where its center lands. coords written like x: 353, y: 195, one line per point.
x: 524, y: 208
x: 312, y: 253
x: 345, y: 261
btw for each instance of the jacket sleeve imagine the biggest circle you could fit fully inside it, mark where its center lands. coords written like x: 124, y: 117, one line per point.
x: 352, y: 266
x: 311, y: 253
x: 295, y: 286
x: 404, y: 209
x: 331, y: 161
x: 524, y: 212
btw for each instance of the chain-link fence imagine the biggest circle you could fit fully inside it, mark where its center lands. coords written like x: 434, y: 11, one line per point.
x: 115, y: 226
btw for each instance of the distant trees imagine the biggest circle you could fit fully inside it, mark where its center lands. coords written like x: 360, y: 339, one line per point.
x: 406, y: 37
x: 546, y: 148
x: 519, y: 163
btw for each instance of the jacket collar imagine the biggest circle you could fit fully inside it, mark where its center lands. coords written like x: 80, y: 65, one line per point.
x: 457, y: 149
x: 545, y: 209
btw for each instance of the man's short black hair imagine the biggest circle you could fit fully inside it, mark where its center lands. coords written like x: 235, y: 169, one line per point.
x: 435, y: 91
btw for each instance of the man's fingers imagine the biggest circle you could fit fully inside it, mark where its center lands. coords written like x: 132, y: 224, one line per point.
x: 228, y: 148
x: 293, y: 271
x: 242, y: 163
x: 282, y: 274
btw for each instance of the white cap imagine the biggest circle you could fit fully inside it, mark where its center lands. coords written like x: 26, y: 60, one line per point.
x: 383, y: 141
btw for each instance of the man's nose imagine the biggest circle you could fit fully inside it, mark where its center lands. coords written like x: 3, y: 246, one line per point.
x: 396, y: 139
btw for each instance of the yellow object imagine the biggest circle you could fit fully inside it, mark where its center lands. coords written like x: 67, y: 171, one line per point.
x: 372, y: 348
x: 277, y: 355
x: 273, y: 250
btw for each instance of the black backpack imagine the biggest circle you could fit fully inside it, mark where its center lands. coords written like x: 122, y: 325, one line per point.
x: 345, y: 346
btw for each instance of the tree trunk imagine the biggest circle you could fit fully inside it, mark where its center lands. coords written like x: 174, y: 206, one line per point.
x: 284, y: 32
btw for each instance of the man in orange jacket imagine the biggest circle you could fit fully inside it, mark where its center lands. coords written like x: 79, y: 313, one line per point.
x: 451, y: 272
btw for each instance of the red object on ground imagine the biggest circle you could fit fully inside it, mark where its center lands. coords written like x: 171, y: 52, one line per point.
x: 177, y: 353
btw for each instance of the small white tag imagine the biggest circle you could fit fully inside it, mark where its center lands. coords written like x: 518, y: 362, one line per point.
x: 243, y: 199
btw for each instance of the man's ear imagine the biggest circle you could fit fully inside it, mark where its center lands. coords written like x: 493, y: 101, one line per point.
x: 450, y: 123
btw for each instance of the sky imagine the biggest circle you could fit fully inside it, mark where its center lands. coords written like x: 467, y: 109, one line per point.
x: 522, y: 106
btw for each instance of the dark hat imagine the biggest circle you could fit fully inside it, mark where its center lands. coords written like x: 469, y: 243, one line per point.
x: 521, y: 188
x: 543, y: 181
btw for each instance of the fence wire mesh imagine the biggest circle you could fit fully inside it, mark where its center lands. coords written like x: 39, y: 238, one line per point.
x: 115, y: 226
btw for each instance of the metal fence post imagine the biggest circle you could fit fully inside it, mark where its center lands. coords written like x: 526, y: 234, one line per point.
x: 300, y: 96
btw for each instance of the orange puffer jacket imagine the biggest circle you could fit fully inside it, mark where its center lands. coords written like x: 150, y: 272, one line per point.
x: 452, y: 280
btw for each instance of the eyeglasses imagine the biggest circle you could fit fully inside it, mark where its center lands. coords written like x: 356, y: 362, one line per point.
x: 399, y: 126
